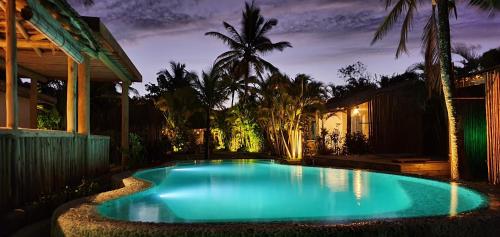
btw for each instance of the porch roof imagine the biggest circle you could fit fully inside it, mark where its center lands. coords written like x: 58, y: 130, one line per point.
x: 48, y: 31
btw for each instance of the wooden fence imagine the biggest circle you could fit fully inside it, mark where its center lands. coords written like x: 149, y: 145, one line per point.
x: 493, y: 124
x: 45, y: 162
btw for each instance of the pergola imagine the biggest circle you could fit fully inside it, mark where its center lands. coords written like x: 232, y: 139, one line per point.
x: 48, y: 40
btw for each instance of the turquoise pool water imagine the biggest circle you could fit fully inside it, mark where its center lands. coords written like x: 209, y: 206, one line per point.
x: 263, y: 191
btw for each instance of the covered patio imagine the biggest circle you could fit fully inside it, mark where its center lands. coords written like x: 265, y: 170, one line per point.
x: 43, y: 41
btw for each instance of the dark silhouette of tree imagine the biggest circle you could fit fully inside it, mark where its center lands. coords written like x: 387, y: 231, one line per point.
x: 248, y: 44
x: 176, y: 98
x: 212, y: 91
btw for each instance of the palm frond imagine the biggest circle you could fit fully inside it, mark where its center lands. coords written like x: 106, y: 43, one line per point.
x: 269, y: 47
x: 390, y: 20
x: 233, y: 31
x: 267, y: 26
x: 490, y: 5
x: 431, y: 55
x: 226, y: 39
x: 406, y: 28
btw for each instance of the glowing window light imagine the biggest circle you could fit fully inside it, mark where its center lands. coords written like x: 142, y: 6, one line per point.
x: 355, y: 111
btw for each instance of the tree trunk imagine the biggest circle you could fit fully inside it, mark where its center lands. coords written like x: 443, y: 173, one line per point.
x: 446, y: 71
x: 207, y: 136
x: 232, y: 99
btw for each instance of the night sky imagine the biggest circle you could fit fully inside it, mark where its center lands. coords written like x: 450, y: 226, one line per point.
x: 325, y: 35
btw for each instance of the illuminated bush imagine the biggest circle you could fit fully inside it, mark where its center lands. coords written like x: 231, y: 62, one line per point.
x: 237, y: 132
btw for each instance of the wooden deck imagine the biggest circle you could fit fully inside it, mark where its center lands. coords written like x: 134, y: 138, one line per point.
x: 391, y: 163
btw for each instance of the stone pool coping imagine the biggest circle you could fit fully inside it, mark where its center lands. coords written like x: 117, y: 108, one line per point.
x: 80, y: 218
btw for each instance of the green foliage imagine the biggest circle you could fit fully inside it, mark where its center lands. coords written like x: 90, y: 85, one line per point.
x: 136, y: 151
x: 283, y: 106
x: 48, y: 118
x: 356, y: 143
x: 212, y: 91
x: 321, y: 142
x: 245, y: 134
x: 176, y: 98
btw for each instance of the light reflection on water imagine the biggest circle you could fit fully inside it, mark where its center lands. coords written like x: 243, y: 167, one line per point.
x: 453, y: 199
x: 261, y: 191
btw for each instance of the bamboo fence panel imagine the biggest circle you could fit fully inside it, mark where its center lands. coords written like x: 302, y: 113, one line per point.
x: 46, y: 163
x: 493, y: 125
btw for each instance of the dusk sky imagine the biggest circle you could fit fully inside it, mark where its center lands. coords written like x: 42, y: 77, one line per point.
x: 325, y: 35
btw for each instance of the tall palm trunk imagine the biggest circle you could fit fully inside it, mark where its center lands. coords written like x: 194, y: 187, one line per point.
x: 446, y: 72
x: 232, y: 99
x: 207, y: 136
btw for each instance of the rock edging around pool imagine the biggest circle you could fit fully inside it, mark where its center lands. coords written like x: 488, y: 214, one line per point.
x: 80, y: 218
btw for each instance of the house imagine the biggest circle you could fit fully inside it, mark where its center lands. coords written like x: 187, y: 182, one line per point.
x: 391, y: 118
x: 49, y: 40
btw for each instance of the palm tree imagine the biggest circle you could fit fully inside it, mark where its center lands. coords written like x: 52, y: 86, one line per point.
x: 437, y: 47
x: 177, y: 78
x: 176, y: 98
x: 234, y: 79
x: 212, y: 92
x: 247, y: 46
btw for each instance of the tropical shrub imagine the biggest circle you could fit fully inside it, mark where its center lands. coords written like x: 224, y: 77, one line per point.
x: 48, y: 118
x: 136, y: 151
x: 356, y: 143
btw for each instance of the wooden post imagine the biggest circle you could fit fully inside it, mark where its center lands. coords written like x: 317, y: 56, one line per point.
x: 11, y: 99
x: 84, y: 97
x: 125, y: 124
x: 349, y: 122
x: 33, y: 103
x: 71, y: 118
x: 493, y: 125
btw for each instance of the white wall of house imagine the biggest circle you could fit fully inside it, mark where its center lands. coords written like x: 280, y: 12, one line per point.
x: 335, y: 123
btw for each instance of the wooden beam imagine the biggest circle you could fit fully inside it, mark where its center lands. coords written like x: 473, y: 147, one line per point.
x: 71, y: 104
x: 38, y: 37
x: 21, y: 30
x: 33, y: 103
x: 84, y: 97
x: 11, y: 98
x: 41, y: 20
x: 125, y: 125
x: 77, y: 22
x: 31, y: 44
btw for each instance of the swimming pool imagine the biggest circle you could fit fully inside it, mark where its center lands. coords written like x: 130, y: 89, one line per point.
x: 264, y: 191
